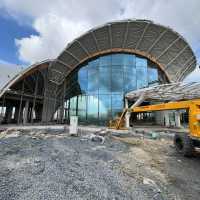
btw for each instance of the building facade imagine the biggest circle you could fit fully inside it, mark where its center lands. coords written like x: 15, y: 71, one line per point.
x: 95, y: 91
x: 90, y: 77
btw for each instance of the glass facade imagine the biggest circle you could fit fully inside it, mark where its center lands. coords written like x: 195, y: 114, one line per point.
x: 96, y: 91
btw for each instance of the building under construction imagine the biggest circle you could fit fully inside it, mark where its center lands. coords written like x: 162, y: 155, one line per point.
x: 92, y: 75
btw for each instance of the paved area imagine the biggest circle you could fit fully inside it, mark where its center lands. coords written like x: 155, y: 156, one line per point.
x: 38, y: 164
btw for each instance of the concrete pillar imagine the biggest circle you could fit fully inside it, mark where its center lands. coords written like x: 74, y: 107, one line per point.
x: 127, y: 116
x: 8, y: 114
x: 38, y: 113
x: 177, y: 119
x: 166, y: 118
x: 48, y: 110
x: 25, y: 116
x: 159, y: 118
x: 16, y: 113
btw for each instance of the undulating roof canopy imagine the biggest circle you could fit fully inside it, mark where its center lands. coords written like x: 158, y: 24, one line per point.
x: 167, y: 92
x: 160, y: 44
x: 16, y: 75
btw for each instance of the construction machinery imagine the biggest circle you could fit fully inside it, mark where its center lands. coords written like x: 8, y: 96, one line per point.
x: 184, y: 142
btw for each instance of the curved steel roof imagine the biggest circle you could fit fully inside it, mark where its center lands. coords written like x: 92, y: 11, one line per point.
x: 18, y: 75
x: 162, y: 45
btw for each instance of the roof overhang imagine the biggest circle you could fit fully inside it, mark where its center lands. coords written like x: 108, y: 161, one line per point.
x: 167, y: 92
x: 160, y: 44
x: 25, y: 73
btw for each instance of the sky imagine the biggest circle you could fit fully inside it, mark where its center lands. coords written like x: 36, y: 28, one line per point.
x: 35, y: 30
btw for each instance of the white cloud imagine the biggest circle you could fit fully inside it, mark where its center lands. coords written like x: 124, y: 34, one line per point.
x: 58, y: 22
x: 182, y: 16
x: 194, y: 76
x: 54, y: 32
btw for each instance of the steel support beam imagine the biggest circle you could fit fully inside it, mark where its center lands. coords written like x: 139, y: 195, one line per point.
x: 20, y: 105
x: 82, y: 46
x: 156, y: 41
x: 110, y: 35
x: 35, y: 94
x: 171, y: 61
x: 125, y: 35
x: 95, y: 39
x: 71, y: 54
x: 139, y: 41
x: 166, y: 49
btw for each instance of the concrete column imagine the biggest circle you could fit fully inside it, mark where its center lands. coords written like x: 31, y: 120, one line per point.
x: 38, y: 113
x: 25, y: 116
x: 48, y: 110
x: 8, y: 114
x: 166, y: 118
x: 177, y: 119
x: 16, y: 113
x: 127, y: 116
x: 159, y: 118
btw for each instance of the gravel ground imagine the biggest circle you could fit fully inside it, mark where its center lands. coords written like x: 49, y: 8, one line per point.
x: 64, y: 168
x: 55, y: 166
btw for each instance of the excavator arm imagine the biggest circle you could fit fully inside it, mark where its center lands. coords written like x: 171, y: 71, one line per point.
x: 193, y: 107
x: 184, y: 142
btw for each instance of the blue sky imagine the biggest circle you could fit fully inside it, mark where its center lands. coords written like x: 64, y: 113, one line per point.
x: 10, y: 30
x: 35, y: 30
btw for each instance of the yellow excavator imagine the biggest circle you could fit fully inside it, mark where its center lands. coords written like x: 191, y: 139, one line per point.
x: 185, y: 142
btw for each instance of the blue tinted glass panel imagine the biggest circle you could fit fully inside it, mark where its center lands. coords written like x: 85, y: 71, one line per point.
x: 117, y: 105
x: 117, y: 101
x: 94, y: 62
x: 141, y: 77
x: 141, y: 62
x: 141, y: 72
x: 152, y: 75
x: 130, y: 79
x: 83, y: 79
x: 117, y: 59
x: 129, y: 59
x: 82, y: 101
x: 105, y: 60
x: 104, y: 79
x: 117, y: 79
x: 92, y: 107
x: 83, y: 85
x: 104, y: 107
x: 93, y: 79
x: 83, y: 72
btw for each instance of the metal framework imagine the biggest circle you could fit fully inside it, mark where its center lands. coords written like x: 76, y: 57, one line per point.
x: 160, y: 44
x: 167, y: 92
x: 41, y: 87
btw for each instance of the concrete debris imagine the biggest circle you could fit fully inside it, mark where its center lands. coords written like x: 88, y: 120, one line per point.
x: 94, y: 138
x: 9, y: 133
x: 97, y: 138
x: 102, y: 132
x: 148, y: 181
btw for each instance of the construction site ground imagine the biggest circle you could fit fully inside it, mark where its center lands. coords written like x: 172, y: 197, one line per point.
x: 49, y: 164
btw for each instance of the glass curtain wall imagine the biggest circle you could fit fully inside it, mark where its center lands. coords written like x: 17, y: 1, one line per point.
x: 96, y: 91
